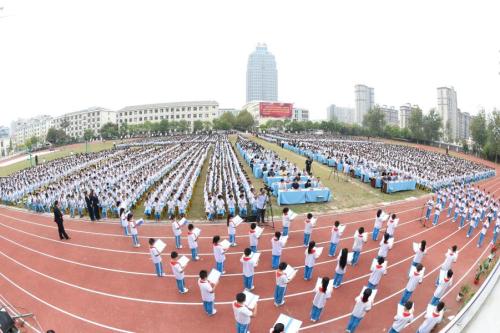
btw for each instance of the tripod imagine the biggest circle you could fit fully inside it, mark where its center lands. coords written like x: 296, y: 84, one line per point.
x: 269, y: 209
x: 335, y: 172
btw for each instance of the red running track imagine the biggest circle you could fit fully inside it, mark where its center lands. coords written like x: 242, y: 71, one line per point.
x: 98, y: 282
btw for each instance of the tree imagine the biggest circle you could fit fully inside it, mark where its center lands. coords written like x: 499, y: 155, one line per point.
x: 478, y: 130
x: 432, y: 126
x: 415, y: 124
x: 465, y: 146
x: 493, y: 142
x: 123, y: 129
x: 31, y: 142
x: 88, y: 134
x: 448, y: 132
x: 197, y: 126
x: 109, y: 131
x: 244, y: 121
x: 374, y: 121
x: 221, y: 124
x: 57, y: 136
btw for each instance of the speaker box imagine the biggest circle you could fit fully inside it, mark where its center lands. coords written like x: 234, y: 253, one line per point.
x: 251, y: 218
x: 7, y: 325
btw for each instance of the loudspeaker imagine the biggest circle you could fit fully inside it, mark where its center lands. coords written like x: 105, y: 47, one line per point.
x: 251, y: 218
x: 7, y: 325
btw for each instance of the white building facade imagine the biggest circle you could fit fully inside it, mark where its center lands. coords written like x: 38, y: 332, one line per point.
x: 391, y: 115
x: 23, y: 129
x: 364, y: 99
x: 448, y: 110
x: 464, y: 119
x: 89, y: 119
x: 188, y: 111
x: 262, y: 75
x: 300, y: 114
x: 341, y: 114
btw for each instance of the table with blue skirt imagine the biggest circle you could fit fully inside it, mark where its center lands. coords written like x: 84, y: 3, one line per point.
x: 401, y: 185
x: 270, y: 180
x: 295, y: 197
x: 275, y: 186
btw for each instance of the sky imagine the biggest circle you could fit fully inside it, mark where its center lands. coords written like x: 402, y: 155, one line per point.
x: 63, y: 56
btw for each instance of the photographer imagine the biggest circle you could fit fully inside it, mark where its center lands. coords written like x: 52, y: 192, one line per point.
x: 261, y: 202
x: 309, y: 162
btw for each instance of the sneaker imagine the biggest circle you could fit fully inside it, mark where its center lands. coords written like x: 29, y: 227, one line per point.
x: 213, y: 312
x: 163, y: 274
x: 136, y: 245
x: 197, y: 258
x: 276, y: 304
x: 185, y: 290
x: 313, y: 320
x: 180, y: 247
x: 223, y: 272
x: 282, y: 303
x: 253, y: 287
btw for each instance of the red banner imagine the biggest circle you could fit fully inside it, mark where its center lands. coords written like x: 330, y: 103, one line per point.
x: 276, y: 110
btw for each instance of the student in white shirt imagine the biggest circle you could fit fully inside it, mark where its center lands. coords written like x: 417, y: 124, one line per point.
x: 414, y: 279
x: 321, y: 295
x: 177, y: 231
x: 231, y: 230
x: 392, y: 224
x: 178, y: 272
x: 442, y: 287
x: 281, y: 282
x: 123, y: 221
x: 432, y: 320
x: 254, y: 240
x: 219, y: 254
x: 384, y: 247
x: 207, y: 290
x: 357, y: 245
x: 193, y: 242
x: 310, y: 260
x: 286, y: 221
x: 496, y: 230
x: 363, y: 304
x: 403, y: 319
x: 157, y: 207
x: 419, y: 254
x: 437, y: 212
x: 231, y: 205
x: 277, y: 248
x: 133, y: 230
x: 248, y: 269
x: 430, y: 204
x: 378, y: 271
x: 242, y: 314
x: 340, y: 270
x: 308, y: 229
x: 334, y: 239
x: 482, y: 233
x: 451, y: 257
x: 156, y: 258
x: 379, y: 220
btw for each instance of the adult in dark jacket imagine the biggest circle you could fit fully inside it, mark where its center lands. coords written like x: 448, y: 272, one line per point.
x: 58, y: 218
x: 95, y: 205
x: 88, y: 202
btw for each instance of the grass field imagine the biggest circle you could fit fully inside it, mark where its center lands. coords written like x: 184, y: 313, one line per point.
x: 61, y: 152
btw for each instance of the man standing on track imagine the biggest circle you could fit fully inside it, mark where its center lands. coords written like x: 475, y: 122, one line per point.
x: 90, y: 209
x: 58, y: 218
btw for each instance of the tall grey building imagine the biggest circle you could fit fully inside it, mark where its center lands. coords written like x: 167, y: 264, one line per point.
x: 341, y: 114
x: 262, y: 75
x: 448, y: 110
x: 365, y: 99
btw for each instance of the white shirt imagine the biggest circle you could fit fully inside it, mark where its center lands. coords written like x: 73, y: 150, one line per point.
x: 383, y: 250
x: 231, y: 229
x: 155, y: 255
x: 308, y: 226
x: 219, y: 253
x: 414, y: 280
x: 391, y: 226
x: 248, y: 266
x: 429, y: 323
x: 450, y: 258
x: 335, y: 238
x: 192, y: 243
x: 358, y: 242
x: 376, y: 275
x: 310, y: 258
x: 281, y: 279
x: 339, y: 270
x: 277, y: 246
x: 176, y: 229
x: 207, y: 292
x: 442, y: 287
x: 286, y: 220
x: 133, y: 229
x: 378, y: 222
x: 360, y: 308
x: 419, y: 255
x: 241, y: 313
x: 177, y: 270
x: 400, y: 321
x: 253, y: 238
x: 320, y: 298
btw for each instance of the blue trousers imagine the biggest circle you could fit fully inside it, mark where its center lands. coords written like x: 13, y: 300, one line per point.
x: 275, y: 262
x: 355, y: 257
x: 125, y: 229
x: 436, y: 219
x: 194, y: 253
x: 315, y: 312
x: 157, y: 217
x: 337, y: 279
x: 371, y: 286
x: 353, y: 323
x: 435, y: 301
x: 254, y: 249
x: 285, y: 231
x: 428, y: 213
x: 375, y: 234
x: 392, y: 330
x: 178, y: 242
x: 308, y: 272
x: 307, y: 237
x: 333, y: 248
x: 480, y: 240
x: 247, y: 282
x: 219, y: 266
x: 469, y: 232
x: 455, y: 216
x: 495, y: 235
x: 232, y: 238
x: 241, y: 328
x: 180, y: 285
x: 232, y: 211
x: 449, y: 212
x: 208, y: 307
x: 72, y: 212
x: 279, y: 294
x: 462, y: 220
x: 243, y: 212
x: 104, y: 213
x: 406, y: 297
x: 159, y: 269
x: 135, y: 239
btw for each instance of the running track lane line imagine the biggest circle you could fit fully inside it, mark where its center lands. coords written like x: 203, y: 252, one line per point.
x: 10, y: 307
x: 229, y: 274
x: 400, y: 291
x: 197, y: 303
x: 61, y: 310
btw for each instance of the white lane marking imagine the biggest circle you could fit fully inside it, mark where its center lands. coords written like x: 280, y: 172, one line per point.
x: 61, y: 310
x: 5, y: 303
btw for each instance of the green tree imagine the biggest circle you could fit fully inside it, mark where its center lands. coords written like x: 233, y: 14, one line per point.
x: 109, y: 131
x: 31, y: 142
x: 392, y: 131
x: 432, y: 126
x: 197, y: 126
x: 493, y: 143
x: 244, y: 121
x: 415, y: 124
x: 465, y: 146
x: 478, y: 130
x: 88, y: 134
x: 374, y: 121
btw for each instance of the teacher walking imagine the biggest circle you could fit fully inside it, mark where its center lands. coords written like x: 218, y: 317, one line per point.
x: 58, y: 218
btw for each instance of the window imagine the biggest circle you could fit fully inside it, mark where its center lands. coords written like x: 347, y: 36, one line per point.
x: 172, y: 116
x: 156, y: 110
x: 176, y: 116
x: 189, y: 115
x: 189, y: 108
x: 140, y: 111
x: 183, y: 109
x: 194, y: 115
x: 140, y: 118
x: 194, y: 108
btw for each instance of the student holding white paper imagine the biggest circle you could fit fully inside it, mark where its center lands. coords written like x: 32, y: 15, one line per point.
x: 308, y: 229
x: 311, y: 255
x: 377, y: 272
x: 419, y: 254
x: 391, y: 225
x: 379, y: 220
x: 277, y: 248
x: 156, y: 258
x: 334, y: 239
x: 133, y: 230
x: 384, y: 247
x: 363, y: 305
x: 176, y: 228
x: 414, y: 280
x: 431, y: 320
x: 340, y: 270
x: 442, y: 287
x: 282, y: 281
x: 357, y: 245
x: 320, y: 297
x: 242, y: 313
x: 207, y: 290
x: 231, y: 230
x: 219, y: 254
x: 286, y: 221
x: 254, y: 240
x: 123, y: 221
x: 248, y: 269
x: 178, y: 272
x: 403, y: 319
x: 450, y: 258
x: 193, y: 242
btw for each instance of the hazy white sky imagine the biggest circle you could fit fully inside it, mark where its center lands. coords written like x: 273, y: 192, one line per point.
x: 67, y: 55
